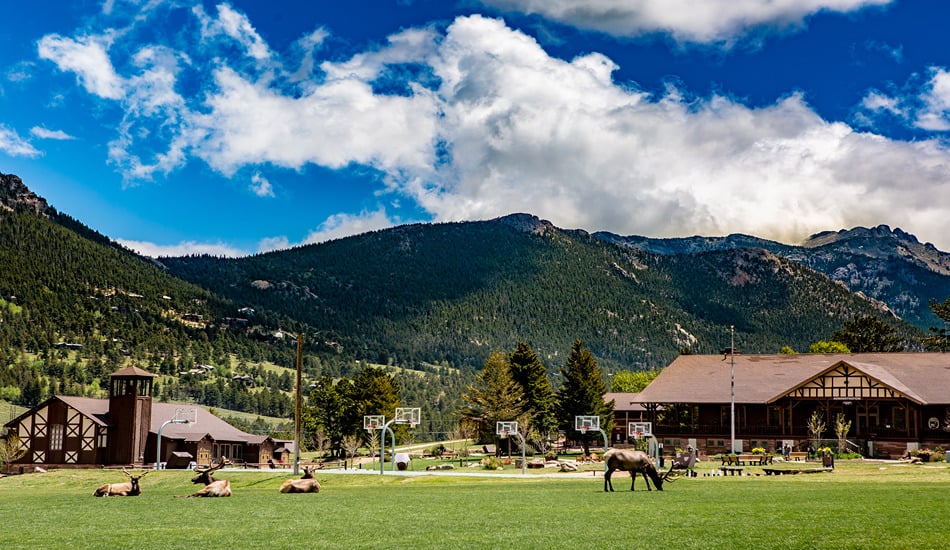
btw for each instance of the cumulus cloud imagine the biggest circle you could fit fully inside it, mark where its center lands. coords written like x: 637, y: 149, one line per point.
x: 12, y: 144
x: 924, y: 106
x: 153, y: 250
x: 344, y: 225
x: 261, y: 187
x: 491, y: 123
x: 708, y: 21
x: 88, y: 58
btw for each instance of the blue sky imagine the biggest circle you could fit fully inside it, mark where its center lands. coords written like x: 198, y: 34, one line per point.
x: 232, y: 128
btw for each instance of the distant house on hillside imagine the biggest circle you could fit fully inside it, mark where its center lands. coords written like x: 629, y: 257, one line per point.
x: 896, y: 402
x: 122, y: 430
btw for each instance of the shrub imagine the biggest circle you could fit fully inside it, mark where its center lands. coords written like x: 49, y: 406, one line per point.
x: 491, y: 463
x: 758, y: 451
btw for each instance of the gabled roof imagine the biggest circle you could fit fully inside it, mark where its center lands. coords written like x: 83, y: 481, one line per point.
x: 207, y: 425
x: 760, y: 379
x: 132, y: 371
x: 624, y: 401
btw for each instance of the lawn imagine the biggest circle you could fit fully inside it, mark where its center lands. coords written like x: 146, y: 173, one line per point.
x: 860, y: 505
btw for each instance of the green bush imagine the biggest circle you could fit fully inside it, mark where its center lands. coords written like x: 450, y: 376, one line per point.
x: 492, y: 463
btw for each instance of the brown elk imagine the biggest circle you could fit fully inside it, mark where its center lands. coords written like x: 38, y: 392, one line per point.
x: 128, y: 489
x: 634, y: 462
x: 306, y: 484
x: 212, y: 488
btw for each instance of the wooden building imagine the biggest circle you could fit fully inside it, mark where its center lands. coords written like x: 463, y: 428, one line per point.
x: 66, y: 431
x: 895, y: 401
x: 627, y: 409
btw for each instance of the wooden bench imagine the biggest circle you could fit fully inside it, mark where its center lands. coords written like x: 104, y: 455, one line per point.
x: 731, y: 470
x: 799, y: 456
x: 730, y: 460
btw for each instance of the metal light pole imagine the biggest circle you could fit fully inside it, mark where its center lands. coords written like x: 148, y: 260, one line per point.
x: 297, y: 405
x: 732, y: 389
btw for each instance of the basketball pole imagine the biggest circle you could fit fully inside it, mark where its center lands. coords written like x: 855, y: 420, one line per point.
x: 297, y: 405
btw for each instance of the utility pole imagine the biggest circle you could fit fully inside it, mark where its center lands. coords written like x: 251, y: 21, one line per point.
x: 732, y: 389
x: 297, y: 407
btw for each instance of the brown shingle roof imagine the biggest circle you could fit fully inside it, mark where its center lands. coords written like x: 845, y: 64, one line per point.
x: 923, y: 377
x: 132, y: 371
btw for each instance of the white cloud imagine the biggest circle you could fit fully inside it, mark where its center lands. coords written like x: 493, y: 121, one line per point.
x: 44, y: 133
x: 88, y: 57
x: 185, y: 248
x: 337, y: 226
x: 537, y: 134
x: 706, y: 21
x: 261, y: 187
x: 334, y: 124
x: 935, y: 114
x: 511, y: 128
x: 12, y: 144
x: 344, y: 225
x: 236, y: 26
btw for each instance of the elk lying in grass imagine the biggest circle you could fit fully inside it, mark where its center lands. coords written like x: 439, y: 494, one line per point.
x: 213, y: 488
x: 306, y: 484
x: 634, y: 462
x: 128, y: 489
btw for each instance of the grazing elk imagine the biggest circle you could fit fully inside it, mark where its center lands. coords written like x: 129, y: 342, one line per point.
x: 212, y: 488
x: 128, y: 489
x: 306, y: 484
x: 634, y: 462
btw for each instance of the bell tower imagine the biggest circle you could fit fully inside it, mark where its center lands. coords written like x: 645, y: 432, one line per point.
x: 130, y: 413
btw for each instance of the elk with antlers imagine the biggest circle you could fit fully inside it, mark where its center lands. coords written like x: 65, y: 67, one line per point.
x: 213, y: 488
x: 128, y: 489
x: 634, y: 462
x: 306, y: 484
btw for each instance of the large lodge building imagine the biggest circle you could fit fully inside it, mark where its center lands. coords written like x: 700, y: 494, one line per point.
x: 895, y: 402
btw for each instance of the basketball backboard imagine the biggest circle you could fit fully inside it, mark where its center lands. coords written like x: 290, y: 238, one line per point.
x: 506, y: 428
x: 587, y: 423
x: 408, y: 415
x: 373, y: 422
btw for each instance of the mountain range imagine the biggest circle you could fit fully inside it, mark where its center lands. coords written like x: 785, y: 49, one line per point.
x: 447, y: 294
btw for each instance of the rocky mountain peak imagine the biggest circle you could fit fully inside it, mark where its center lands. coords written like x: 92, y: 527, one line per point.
x: 14, y: 195
x: 527, y: 223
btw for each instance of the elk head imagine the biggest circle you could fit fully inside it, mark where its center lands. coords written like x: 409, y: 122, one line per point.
x: 206, y: 473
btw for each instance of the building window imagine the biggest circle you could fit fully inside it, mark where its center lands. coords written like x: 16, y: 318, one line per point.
x: 56, y: 437
x: 103, y: 438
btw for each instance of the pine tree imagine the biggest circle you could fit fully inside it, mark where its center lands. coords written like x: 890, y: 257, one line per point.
x: 528, y: 371
x: 867, y: 334
x: 494, y: 397
x: 582, y: 394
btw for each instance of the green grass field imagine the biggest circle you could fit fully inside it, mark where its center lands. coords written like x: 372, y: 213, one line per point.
x: 860, y: 505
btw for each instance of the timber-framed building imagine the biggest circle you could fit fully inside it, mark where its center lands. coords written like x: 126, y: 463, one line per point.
x: 73, y: 432
x: 895, y: 402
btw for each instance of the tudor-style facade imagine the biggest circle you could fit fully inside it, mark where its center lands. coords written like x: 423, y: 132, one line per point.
x: 66, y: 431
x: 894, y: 401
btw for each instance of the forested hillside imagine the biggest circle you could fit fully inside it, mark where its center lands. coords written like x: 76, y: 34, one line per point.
x: 451, y: 293
x: 426, y: 303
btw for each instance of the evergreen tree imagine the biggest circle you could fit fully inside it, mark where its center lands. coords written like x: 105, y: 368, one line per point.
x: 528, y: 371
x: 582, y: 394
x: 374, y: 392
x: 331, y: 410
x: 867, y: 334
x: 939, y: 340
x: 494, y: 397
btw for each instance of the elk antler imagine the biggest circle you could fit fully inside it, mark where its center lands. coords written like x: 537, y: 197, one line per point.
x: 666, y: 476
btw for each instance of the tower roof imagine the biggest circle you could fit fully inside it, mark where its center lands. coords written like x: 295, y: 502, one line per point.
x: 128, y: 372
